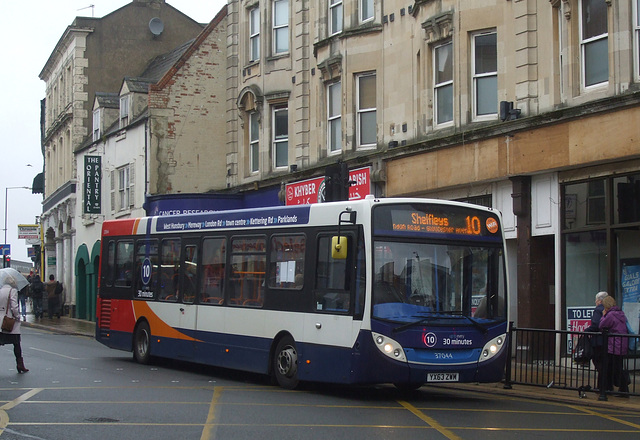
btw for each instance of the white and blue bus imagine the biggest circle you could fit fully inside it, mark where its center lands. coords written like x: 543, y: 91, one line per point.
x: 400, y: 290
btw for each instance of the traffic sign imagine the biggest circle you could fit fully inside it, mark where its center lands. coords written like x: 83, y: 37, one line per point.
x: 5, y: 249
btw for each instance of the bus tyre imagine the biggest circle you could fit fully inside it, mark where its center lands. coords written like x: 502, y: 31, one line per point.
x: 285, y: 363
x: 142, y: 343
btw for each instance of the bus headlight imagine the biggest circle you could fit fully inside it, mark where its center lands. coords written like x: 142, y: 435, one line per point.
x: 492, y: 348
x: 389, y: 347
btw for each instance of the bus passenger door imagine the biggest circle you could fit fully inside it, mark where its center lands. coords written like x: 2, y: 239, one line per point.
x: 333, y: 290
x: 187, y: 295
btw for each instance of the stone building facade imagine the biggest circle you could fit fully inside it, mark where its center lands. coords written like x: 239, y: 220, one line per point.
x: 93, y: 55
x: 529, y: 106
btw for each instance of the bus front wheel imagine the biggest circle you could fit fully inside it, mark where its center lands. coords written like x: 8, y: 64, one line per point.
x: 142, y: 343
x: 285, y: 363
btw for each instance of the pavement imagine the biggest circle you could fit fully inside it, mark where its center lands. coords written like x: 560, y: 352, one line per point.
x: 80, y: 327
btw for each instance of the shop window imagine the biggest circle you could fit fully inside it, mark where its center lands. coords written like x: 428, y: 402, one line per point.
x: 626, y: 199
x: 584, y: 204
x: 586, y: 263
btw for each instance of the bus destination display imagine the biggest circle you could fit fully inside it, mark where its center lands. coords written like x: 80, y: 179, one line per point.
x: 436, y: 220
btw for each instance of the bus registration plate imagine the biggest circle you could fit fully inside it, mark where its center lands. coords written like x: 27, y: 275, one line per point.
x: 442, y: 377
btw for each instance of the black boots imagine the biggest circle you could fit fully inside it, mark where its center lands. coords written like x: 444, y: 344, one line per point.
x: 20, y: 366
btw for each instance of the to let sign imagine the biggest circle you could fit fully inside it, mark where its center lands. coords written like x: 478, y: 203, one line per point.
x: 92, y: 184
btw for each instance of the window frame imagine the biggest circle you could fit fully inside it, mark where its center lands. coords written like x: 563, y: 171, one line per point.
x: 360, y: 112
x: 636, y: 38
x: 276, y: 28
x: 332, y: 118
x: 335, y: 9
x: 277, y: 140
x: 254, y: 34
x: 97, y: 118
x: 439, y: 86
x: 476, y: 77
x: 124, y: 188
x: 370, y: 9
x: 254, y: 142
x: 584, y: 42
x: 124, y: 111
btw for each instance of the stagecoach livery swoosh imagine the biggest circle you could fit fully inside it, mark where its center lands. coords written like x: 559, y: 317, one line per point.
x: 158, y: 326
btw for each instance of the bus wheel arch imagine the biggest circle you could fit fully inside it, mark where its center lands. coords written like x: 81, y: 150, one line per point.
x: 141, y: 343
x: 284, y: 361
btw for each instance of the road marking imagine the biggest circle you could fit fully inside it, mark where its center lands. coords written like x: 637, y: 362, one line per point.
x: 56, y: 354
x: 605, y: 416
x: 208, y: 433
x: 4, y: 417
x: 430, y: 421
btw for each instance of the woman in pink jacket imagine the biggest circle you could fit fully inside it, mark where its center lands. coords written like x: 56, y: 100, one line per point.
x: 9, y: 295
x: 615, y: 322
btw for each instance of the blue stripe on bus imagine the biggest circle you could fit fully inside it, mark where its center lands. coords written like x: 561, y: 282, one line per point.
x: 259, y: 218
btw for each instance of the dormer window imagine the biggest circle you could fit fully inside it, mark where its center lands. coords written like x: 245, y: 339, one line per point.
x: 96, y: 124
x: 124, y: 111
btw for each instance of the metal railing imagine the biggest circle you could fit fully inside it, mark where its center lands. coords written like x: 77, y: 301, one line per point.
x: 546, y: 358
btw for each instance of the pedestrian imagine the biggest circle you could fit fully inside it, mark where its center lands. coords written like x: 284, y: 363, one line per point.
x: 9, y: 306
x: 37, y: 292
x: 54, y: 289
x: 22, y: 299
x: 615, y: 322
x: 597, y: 341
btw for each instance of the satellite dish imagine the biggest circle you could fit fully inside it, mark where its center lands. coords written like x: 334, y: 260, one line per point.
x: 156, y: 26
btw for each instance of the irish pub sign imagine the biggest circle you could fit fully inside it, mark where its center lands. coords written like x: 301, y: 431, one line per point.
x: 92, y: 184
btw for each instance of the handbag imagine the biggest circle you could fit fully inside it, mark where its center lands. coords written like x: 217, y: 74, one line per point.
x: 8, y: 322
x: 583, y: 351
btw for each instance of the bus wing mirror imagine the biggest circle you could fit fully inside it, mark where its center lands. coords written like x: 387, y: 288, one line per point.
x: 339, y: 247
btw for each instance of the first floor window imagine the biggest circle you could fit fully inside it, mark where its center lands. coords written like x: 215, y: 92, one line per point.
x: 123, y: 188
x: 366, y: 10
x: 366, y: 110
x: 280, y: 137
x: 335, y: 16
x: 254, y: 34
x: 254, y: 142
x: 594, y: 42
x: 280, y: 26
x: 443, y: 83
x: 485, y: 74
x: 334, y: 116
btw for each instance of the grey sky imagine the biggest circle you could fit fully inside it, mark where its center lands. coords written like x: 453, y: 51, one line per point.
x: 30, y: 30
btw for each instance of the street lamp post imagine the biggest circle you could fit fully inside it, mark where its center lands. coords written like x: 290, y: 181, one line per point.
x: 6, y: 198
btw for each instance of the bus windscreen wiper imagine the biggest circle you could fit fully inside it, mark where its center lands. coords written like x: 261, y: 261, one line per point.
x: 455, y: 314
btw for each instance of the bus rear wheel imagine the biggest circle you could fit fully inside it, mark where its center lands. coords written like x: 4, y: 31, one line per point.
x: 142, y: 343
x: 285, y: 363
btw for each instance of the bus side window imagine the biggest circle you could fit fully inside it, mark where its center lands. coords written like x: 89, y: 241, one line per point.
x: 248, y: 264
x: 146, y: 250
x: 169, y: 269
x: 124, y: 264
x: 332, y: 292
x: 286, y: 262
x: 190, y: 274
x: 213, y: 265
x: 111, y: 264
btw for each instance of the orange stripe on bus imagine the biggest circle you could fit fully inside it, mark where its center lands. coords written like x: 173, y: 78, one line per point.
x: 159, y: 328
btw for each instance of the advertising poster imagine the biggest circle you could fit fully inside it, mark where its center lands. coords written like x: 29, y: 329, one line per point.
x: 578, y: 319
x: 630, y: 279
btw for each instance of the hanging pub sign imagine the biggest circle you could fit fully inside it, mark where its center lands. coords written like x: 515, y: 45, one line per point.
x: 92, y: 184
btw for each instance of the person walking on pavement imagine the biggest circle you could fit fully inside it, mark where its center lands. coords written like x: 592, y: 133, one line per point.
x: 37, y: 292
x: 53, y: 296
x: 615, y: 321
x: 9, y: 306
x: 597, y: 341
